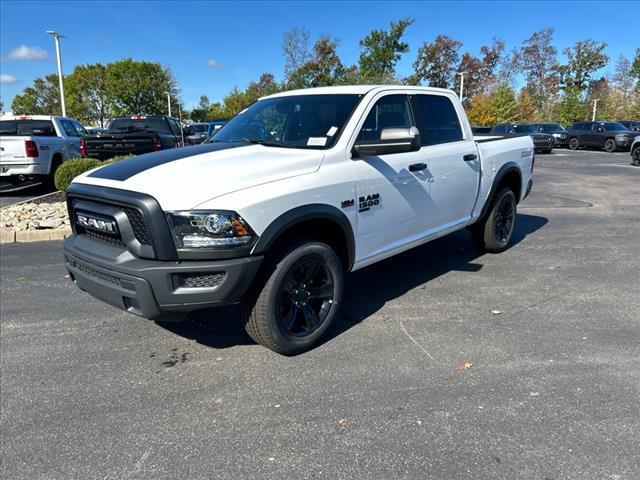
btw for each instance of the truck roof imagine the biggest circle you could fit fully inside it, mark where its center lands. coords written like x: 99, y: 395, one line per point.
x: 33, y: 117
x: 353, y: 89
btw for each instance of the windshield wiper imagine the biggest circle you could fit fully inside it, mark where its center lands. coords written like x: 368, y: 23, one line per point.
x: 269, y: 143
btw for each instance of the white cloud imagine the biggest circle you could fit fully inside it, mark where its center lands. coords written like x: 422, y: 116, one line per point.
x: 214, y: 64
x: 28, y: 53
x: 6, y: 78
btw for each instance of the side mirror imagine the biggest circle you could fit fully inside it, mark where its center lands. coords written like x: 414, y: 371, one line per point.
x: 600, y: 129
x: 392, y: 140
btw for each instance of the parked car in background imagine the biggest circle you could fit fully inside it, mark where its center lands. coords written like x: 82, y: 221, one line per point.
x: 480, y: 130
x: 542, y: 142
x: 133, y: 135
x: 608, y: 135
x: 557, y: 131
x: 635, y: 152
x: 195, y: 133
x: 633, y: 125
x: 32, y: 147
x: 96, y: 130
x: 214, y: 126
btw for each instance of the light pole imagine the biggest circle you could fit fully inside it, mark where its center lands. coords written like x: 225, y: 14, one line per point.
x: 57, y: 38
x: 462, y: 74
x: 595, y: 103
x: 169, y: 102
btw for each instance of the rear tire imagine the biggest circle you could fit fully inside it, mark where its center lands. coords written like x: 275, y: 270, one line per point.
x: 610, y: 145
x: 493, y: 233
x: 49, y: 183
x: 574, y: 143
x: 296, y: 299
x: 547, y: 150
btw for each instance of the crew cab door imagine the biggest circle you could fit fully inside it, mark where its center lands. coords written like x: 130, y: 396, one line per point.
x: 392, y: 201
x: 451, y: 156
x: 72, y: 137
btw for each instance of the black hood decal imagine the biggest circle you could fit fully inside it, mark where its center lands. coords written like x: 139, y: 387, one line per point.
x: 125, y: 169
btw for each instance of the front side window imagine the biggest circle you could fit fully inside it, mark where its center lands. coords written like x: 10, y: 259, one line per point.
x: 80, y: 129
x: 436, y: 119
x: 525, y: 128
x: 296, y: 121
x: 614, y: 127
x: 392, y: 111
x: 69, y: 129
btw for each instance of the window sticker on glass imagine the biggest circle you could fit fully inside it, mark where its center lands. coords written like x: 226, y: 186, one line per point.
x: 317, y: 141
x: 332, y: 131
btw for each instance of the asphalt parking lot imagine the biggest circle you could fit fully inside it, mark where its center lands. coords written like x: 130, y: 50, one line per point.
x: 551, y: 328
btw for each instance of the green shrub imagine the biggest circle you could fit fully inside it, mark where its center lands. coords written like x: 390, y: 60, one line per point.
x: 75, y: 166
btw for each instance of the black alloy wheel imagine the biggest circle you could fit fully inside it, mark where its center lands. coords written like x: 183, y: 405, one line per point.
x: 306, y: 297
x: 574, y: 144
x: 610, y: 145
x: 504, y: 220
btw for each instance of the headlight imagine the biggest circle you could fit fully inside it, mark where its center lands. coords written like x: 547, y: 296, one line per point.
x: 201, y: 229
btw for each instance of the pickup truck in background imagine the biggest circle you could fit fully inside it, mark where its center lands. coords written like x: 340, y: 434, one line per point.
x: 133, y: 136
x: 289, y: 195
x: 32, y: 147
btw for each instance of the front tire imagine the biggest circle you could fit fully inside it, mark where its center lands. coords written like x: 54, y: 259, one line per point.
x: 493, y: 233
x: 297, y: 297
x: 610, y: 145
x: 574, y: 144
x: 635, y: 157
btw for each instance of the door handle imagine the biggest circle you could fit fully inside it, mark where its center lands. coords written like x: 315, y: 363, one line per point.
x: 415, y: 167
x: 470, y: 157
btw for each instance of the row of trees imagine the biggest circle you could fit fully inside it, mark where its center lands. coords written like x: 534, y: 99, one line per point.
x: 94, y: 93
x: 526, y: 83
x: 551, y: 91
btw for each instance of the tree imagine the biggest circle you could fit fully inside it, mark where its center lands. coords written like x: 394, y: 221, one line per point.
x: 572, y: 107
x: 491, y: 57
x: 480, y: 111
x: 437, y: 62
x: 474, y: 77
x: 623, y: 89
x: 138, y: 87
x: 509, y: 67
x: 201, y: 112
x: 238, y: 100
x: 43, y: 98
x: 635, y: 68
x: 87, y: 95
x: 324, y: 68
x: 504, y: 107
x: 527, y: 111
x: 381, y: 50
x: 295, y: 47
x: 539, y: 64
x: 583, y: 59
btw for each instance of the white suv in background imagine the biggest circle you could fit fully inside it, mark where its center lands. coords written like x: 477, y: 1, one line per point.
x: 32, y: 147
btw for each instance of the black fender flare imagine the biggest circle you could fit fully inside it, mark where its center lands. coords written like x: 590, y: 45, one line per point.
x: 504, y: 170
x: 314, y: 211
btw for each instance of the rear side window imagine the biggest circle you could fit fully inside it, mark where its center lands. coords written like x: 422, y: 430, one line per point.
x: 36, y: 128
x: 139, y: 125
x: 436, y: 119
x: 175, y: 127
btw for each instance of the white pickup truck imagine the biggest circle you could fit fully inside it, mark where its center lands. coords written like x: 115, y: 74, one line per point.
x: 293, y: 192
x: 32, y: 147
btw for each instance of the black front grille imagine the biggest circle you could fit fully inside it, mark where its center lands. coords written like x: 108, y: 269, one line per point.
x: 101, y: 237
x: 136, y: 220
x: 95, y: 273
x: 199, y: 280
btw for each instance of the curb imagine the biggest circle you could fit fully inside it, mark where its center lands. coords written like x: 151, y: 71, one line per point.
x: 8, y: 235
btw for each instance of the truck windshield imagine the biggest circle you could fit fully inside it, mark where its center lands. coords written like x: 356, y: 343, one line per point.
x: 133, y: 125
x: 38, y: 128
x: 614, y: 127
x: 526, y: 128
x: 300, y: 121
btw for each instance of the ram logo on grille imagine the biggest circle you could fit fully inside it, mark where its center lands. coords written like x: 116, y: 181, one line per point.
x: 95, y: 223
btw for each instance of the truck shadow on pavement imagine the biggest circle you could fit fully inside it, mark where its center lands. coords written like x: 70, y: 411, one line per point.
x: 366, y: 291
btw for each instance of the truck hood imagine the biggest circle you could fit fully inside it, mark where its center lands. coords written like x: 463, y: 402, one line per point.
x: 182, y: 178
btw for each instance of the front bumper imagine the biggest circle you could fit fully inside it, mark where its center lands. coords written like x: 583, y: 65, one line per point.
x: 624, y: 143
x: 156, y: 289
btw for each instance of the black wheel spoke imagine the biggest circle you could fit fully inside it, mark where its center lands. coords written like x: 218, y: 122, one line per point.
x: 290, y: 319
x: 311, y: 272
x: 322, y: 292
x: 311, y: 318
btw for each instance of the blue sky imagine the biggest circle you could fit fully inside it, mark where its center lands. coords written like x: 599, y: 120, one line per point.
x: 244, y: 38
